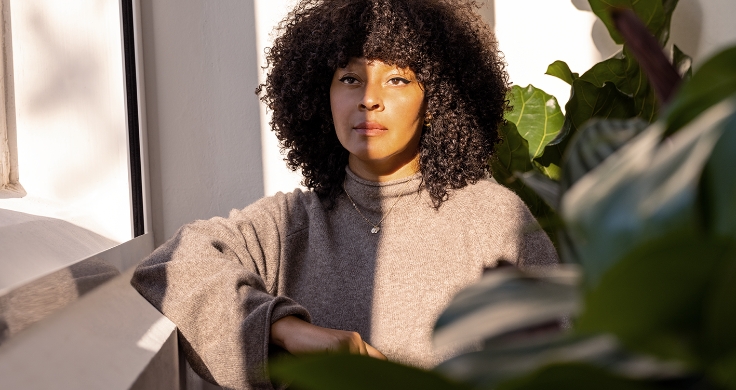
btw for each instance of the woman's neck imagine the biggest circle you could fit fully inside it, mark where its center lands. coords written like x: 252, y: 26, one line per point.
x: 378, y: 172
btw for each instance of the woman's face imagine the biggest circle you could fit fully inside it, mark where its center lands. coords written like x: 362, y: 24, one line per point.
x: 378, y: 111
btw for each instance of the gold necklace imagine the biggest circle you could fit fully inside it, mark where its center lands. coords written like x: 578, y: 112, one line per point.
x: 376, y: 226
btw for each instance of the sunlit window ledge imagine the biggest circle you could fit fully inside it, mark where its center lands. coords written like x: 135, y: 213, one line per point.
x: 38, y: 238
x: 109, y: 339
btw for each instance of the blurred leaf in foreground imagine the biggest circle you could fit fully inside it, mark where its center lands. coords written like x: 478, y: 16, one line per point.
x: 496, y: 363
x: 645, y: 191
x: 507, y: 299
x: 356, y: 372
x: 598, y: 140
x: 652, y: 299
x: 574, y: 376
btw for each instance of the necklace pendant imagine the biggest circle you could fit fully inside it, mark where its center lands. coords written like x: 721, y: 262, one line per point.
x: 375, y: 229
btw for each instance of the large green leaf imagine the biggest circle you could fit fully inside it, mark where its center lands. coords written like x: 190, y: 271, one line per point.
x: 512, y: 155
x: 658, y: 210
x: 645, y: 191
x: 626, y: 74
x: 574, y: 376
x: 486, y: 368
x: 651, y: 12
x: 587, y: 101
x: 714, y: 81
x: 508, y: 300
x: 356, y: 372
x: 652, y: 298
x: 537, y: 117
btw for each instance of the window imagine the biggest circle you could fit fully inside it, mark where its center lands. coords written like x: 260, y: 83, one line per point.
x: 72, y: 124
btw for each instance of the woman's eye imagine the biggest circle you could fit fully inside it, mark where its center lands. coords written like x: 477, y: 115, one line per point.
x: 398, y: 81
x: 348, y: 80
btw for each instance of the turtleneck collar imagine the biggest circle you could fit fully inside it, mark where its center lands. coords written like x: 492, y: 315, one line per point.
x: 371, y: 194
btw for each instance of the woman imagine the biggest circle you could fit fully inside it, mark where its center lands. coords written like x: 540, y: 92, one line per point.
x: 390, y: 110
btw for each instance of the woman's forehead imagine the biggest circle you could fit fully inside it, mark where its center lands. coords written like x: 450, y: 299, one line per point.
x: 356, y: 63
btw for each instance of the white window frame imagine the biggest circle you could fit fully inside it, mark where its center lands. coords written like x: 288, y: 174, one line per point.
x: 4, y: 149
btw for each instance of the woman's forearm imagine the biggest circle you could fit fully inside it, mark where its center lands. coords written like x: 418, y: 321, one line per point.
x: 300, y: 337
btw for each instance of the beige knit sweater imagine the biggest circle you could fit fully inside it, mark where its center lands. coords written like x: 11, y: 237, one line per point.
x: 225, y: 280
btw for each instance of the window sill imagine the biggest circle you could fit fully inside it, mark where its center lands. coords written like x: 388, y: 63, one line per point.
x: 111, y: 338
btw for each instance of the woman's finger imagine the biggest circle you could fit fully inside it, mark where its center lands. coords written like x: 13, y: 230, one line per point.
x: 374, y: 353
x: 363, y: 349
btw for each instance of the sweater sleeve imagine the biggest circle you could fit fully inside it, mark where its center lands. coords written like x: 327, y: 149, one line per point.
x: 524, y: 243
x: 216, y: 280
x: 535, y: 249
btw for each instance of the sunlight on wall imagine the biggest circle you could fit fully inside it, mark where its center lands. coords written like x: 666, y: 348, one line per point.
x: 276, y: 176
x: 70, y: 114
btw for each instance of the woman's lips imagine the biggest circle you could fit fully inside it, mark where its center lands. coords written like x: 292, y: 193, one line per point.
x: 370, y: 128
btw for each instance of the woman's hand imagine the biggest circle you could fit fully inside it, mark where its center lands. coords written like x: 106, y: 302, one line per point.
x: 299, y: 337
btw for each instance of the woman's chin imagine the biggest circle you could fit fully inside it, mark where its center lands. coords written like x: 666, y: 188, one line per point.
x: 384, y: 162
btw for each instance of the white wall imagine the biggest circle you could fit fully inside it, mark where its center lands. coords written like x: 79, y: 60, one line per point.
x: 203, y: 115
x: 68, y: 112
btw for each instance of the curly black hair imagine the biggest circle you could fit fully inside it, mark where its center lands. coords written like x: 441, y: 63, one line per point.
x: 450, y: 49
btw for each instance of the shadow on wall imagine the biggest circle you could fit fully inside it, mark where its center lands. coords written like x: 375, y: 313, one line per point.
x: 687, y: 27
x: 603, y: 43
x: 688, y: 17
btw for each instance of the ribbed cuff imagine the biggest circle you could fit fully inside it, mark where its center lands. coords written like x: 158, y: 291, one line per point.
x: 257, y: 364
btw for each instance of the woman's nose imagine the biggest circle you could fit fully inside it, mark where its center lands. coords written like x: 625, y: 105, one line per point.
x: 369, y: 106
x: 371, y: 100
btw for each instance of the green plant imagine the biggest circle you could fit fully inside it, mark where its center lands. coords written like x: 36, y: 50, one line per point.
x: 616, y: 88
x: 648, y: 214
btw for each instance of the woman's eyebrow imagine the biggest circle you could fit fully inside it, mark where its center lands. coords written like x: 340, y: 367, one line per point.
x: 404, y: 73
